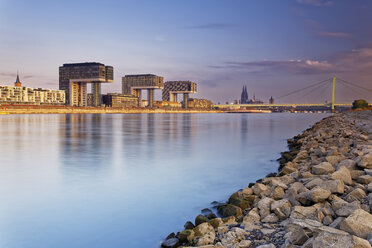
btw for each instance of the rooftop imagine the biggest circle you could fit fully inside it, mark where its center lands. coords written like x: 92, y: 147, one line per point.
x: 82, y: 64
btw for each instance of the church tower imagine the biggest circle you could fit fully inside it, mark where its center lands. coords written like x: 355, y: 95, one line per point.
x: 17, y: 82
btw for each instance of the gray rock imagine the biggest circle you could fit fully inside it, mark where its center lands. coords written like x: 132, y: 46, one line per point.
x: 281, y: 208
x: 300, y: 212
x: 358, y: 223
x: 335, y: 186
x: 170, y: 243
x: 266, y: 246
x: 297, y: 235
x: 369, y: 238
x: 368, y: 171
x: 318, y: 194
x: 348, y: 164
x: 356, y: 173
x: 264, y: 206
x: 313, y: 183
x: 347, y: 209
x: 271, y: 218
x: 322, y: 169
x: 336, y: 222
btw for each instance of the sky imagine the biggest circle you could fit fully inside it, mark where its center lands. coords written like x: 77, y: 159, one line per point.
x: 274, y: 47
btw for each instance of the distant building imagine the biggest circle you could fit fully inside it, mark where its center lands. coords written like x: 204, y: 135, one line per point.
x: 120, y: 100
x: 17, y: 83
x: 200, y: 103
x: 134, y: 84
x: 244, y: 95
x: 169, y: 104
x: 245, y: 100
x: 173, y: 88
x: 73, y: 78
x: 271, y: 100
x: 25, y: 95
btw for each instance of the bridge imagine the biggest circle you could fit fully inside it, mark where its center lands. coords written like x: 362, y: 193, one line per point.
x: 310, y: 89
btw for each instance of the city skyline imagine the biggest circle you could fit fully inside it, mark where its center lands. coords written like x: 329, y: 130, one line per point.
x: 272, y: 47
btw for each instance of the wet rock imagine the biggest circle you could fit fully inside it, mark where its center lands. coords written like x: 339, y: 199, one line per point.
x: 170, y: 243
x: 216, y: 222
x: 200, y: 219
x: 322, y: 169
x: 186, y: 236
x: 242, y: 200
x: 318, y: 194
x: 342, y: 174
x: 358, y: 223
x: 189, y: 225
x: 227, y: 210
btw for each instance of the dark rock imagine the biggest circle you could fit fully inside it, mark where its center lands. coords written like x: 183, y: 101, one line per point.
x: 171, y: 243
x: 189, y: 225
x: 170, y: 236
x: 227, y: 210
x: 200, y: 219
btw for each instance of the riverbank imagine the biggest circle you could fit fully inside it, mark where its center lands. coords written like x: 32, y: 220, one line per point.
x: 321, y: 196
x: 92, y: 110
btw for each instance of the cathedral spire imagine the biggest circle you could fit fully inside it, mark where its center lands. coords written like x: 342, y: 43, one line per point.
x: 17, y: 82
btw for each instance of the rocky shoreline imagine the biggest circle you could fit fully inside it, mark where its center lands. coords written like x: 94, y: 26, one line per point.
x: 321, y: 196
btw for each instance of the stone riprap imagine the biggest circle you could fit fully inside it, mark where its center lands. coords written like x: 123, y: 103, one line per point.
x: 321, y: 196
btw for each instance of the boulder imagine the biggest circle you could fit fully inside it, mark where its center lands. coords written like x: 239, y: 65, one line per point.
x: 281, y: 208
x: 334, y: 159
x: 300, y: 212
x: 264, y: 206
x: 261, y: 189
x: 244, y: 244
x: 242, y: 200
x: 216, y: 222
x: 271, y: 218
x: 336, y: 222
x: 318, y: 194
x: 331, y: 237
x: 200, y: 219
x: 365, y: 161
x: 356, y: 173
x: 171, y: 243
x: 227, y: 210
x: 297, y: 235
x: 252, y: 216
x: 189, y: 225
x: 186, y: 236
x: 207, y: 239
x: 203, y: 229
x: 335, y: 186
x: 348, y: 164
x: 322, y: 169
x: 313, y: 183
x: 342, y: 174
x: 364, y: 179
x: 347, y: 209
x: 356, y: 194
x: 278, y: 193
x: 358, y: 223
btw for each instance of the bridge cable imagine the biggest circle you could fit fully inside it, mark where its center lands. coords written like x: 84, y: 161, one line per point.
x: 352, y: 89
x: 307, y: 87
x: 355, y: 85
x: 322, y: 86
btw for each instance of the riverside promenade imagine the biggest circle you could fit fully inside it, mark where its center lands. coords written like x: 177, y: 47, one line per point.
x: 97, y: 110
x: 321, y: 195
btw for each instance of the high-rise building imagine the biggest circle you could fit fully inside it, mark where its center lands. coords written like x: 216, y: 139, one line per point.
x: 73, y: 78
x: 173, y: 88
x: 244, y: 96
x: 134, y: 84
x: 271, y: 100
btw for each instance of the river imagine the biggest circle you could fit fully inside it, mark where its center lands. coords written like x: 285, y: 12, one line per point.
x: 127, y: 180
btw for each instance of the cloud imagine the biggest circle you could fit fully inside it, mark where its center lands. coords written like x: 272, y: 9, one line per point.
x: 333, y: 34
x: 317, y: 3
x: 291, y: 66
x: 212, y: 26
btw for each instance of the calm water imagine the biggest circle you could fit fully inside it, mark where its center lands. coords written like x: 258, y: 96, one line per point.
x: 127, y: 180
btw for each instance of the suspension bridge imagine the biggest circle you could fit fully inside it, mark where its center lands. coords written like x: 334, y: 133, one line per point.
x: 318, y: 86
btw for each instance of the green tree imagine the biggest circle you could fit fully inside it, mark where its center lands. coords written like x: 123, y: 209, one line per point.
x: 360, y: 104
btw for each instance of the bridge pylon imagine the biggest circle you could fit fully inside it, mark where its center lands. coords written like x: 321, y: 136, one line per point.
x: 333, y: 93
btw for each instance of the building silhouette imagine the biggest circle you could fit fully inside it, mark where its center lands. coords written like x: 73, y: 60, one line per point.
x: 244, y: 96
x: 17, y: 83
